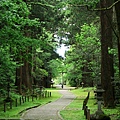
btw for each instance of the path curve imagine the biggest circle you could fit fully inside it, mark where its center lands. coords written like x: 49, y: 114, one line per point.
x: 51, y: 110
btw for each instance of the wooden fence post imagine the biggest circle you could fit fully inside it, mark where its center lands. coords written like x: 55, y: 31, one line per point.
x: 48, y: 93
x: 4, y: 106
x: 25, y: 98
x: 39, y: 95
x: 20, y: 101
x: 36, y: 96
x: 10, y: 104
x: 16, y: 102
x: 88, y: 114
x: 45, y: 94
x: 28, y: 98
x: 32, y: 98
x: 85, y: 111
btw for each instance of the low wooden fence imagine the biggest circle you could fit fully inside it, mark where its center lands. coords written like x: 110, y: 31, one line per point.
x: 85, y: 107
x: 87, y: 112
x: 23, y: 99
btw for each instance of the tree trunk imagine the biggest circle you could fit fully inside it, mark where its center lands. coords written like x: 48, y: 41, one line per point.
x: 26, y: 76
x: 23, y: 82
x: 18, y: 81
x: 107, y: 71
x: 23, y: 73
x: 117, y: 9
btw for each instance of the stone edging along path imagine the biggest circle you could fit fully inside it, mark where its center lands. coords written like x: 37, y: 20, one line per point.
x: 51, y: 110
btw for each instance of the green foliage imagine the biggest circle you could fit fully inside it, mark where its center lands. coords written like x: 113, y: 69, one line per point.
x: 83, y: 56
x: 91, y: 3
x: 56, y: 67
x: 7, y: 70
x: 14, y: 17
x: 15, y: 14
x: 39, y: 73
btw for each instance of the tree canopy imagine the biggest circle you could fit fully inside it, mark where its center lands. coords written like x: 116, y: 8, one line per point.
x: 31, y: 32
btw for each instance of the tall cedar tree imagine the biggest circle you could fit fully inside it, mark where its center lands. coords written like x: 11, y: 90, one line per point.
x: 117, y: 9
x: 106, y: 59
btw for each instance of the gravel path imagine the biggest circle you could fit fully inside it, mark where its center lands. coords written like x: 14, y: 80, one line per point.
x: 51, y: 110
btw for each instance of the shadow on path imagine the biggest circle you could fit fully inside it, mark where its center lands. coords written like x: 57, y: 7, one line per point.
x: 51, y: 110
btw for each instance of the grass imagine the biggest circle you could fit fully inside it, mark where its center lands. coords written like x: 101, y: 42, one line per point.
x: 74, y: 110
x: 14, y: 113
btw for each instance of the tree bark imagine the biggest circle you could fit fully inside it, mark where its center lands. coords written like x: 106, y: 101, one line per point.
x: 18, y: 81
x: 25, y: 76
x: 107, y: 71
x: 117, y: 9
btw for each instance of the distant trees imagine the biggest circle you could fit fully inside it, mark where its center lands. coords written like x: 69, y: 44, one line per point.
x: 83, y: 58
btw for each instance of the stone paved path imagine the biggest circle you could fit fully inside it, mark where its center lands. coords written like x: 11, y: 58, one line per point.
x: 51, y: 110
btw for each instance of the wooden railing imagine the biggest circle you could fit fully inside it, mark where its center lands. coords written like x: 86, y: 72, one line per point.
x: 85, y: 107
x: 87, y: 112
x: 15, y: 103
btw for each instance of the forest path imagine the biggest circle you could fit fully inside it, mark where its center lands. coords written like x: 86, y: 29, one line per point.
x: 51, y: 110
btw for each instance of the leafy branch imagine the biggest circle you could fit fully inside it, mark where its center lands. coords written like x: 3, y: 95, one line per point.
x: 97, y: 9
x: 38, y: 3
x: 107, y: 8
